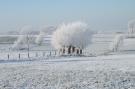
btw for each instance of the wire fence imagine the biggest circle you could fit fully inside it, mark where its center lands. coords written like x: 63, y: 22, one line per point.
x: 27, y: 55
x: 41, y: 55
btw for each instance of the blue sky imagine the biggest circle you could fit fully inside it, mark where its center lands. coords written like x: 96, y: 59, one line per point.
x: 99, y: 14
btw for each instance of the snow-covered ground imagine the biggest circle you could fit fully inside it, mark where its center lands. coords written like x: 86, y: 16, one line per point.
x: 103, y: 72
x: 112, y: 71
x: 100, y: 44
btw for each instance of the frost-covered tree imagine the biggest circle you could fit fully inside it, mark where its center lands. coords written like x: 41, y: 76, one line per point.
x: 40, y: 37
x: 117, y: 42
x: 71, y: 38
x: 131, y: 28
x: 24, y: 39
x: 44, y: 31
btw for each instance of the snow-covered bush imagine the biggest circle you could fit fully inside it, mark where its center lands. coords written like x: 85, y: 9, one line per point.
x: 39, y: 38
x: 131, y: 28
x: 71, y: 37
x: 25, y: 37
x: 44, y: 31
x: 117, y: 42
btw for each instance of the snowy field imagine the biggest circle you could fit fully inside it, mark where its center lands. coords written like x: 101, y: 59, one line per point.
x: 100, y: 44
x: 111, y: 71
x: 104, y: 72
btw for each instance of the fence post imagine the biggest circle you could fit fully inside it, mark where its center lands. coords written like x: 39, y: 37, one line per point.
x: 19, y: 56
x: 8, y: 56
x: 28, y: 55
x: 50, y: 53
